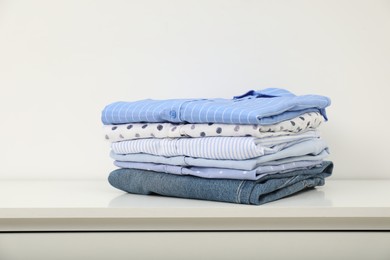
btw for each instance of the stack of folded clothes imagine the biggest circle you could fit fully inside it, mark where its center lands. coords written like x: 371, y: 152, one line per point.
x: 252, y: 149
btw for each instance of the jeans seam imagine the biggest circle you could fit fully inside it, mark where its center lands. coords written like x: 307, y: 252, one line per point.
x: 289, y: 181
x: 238, y: 192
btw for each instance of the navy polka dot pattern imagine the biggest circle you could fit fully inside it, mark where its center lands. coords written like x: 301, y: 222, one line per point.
x: 305, y: 122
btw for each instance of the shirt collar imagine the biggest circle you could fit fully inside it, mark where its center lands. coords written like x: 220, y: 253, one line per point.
x: 268, y: 92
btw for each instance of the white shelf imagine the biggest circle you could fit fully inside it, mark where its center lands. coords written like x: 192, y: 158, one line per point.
x: 69, y: 205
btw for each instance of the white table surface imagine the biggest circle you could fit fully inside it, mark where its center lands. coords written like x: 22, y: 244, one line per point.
x: 95, y: 205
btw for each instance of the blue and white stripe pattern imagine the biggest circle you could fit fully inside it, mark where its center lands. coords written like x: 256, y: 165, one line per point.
x: 310, y: 150
x: 220, y: 148
x: 265, y: 107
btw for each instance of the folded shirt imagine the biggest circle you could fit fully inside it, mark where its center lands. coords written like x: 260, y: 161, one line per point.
x: 310, y: 150
x: 300, y: 124
x: 220, y: 173
x: 264, y: 107
x: 267, y: 189
x: 220, y: 148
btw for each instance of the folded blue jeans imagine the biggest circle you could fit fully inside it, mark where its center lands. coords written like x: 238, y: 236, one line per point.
x: 267, y: 189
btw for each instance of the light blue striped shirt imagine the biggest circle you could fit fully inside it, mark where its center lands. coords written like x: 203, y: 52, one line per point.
x: 311, y: 150
x: 220, y: 148
x: 265, y: 107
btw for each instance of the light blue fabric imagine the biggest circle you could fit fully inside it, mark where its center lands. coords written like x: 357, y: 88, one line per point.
x: 220, y: 148
x: 313, y: 150
x: 269, y: 188
x: 220, y: 173
x: 265, y: 107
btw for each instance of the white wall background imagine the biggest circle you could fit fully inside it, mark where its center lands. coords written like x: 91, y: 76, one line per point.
x: 62, y: 61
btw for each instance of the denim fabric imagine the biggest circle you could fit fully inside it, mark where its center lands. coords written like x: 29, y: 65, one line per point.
x: 267, y: 189
x: 265, y: 107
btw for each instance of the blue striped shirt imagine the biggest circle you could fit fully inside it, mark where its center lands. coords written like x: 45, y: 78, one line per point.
x: 265, y: 107
x: 220, y: 148
x: 311, y: 150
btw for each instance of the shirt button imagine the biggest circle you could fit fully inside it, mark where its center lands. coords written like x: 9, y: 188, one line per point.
x: 172, y: 113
